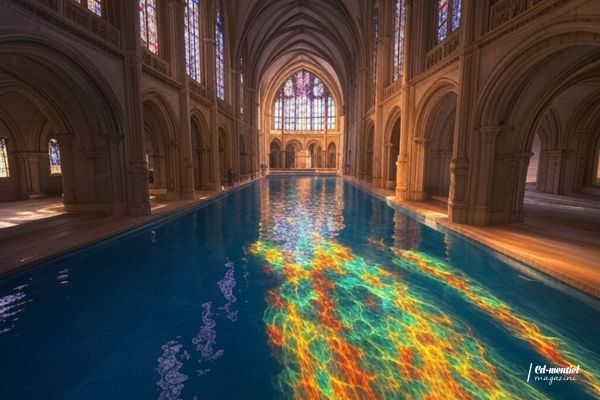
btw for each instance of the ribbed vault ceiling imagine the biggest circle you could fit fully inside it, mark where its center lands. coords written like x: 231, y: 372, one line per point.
x: 278, y: 33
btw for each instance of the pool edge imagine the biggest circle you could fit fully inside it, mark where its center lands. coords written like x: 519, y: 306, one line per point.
x: 157, y: 219
x: 550, y: 277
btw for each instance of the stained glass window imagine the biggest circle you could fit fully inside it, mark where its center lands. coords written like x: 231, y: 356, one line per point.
x: 94, y: 6
x: 54, y: 155
x: 304, y: 103
x: 192, y: 39
x: 4, y: 171
x: 220, y: 53
x: 149, y: 24
x: 456, y: 14
x: 400, y: 24
x: 241, y: 86
x: 448, y: 17
x: 375, y: 38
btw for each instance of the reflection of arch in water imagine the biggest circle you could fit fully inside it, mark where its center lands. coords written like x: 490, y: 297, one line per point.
x: 291, y: 151
x: 275, y: 154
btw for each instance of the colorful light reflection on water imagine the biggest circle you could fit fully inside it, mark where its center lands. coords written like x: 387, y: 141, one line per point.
x: 290, y: 288
x: 344, y: 327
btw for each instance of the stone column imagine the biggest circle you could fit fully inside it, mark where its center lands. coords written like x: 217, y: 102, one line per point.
x: 422, y: 148
x: 583, y: 160
x: 517, y: 172
x: 172, y: 164
x: 211, y: 84
x: 383, y: 45
x: 458, y: 197
x: 186, y: 167
x: 115, y: 156
x: 137, y: 172
x: 486, y: 155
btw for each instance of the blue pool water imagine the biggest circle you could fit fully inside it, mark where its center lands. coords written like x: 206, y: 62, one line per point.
x: 291, y: 288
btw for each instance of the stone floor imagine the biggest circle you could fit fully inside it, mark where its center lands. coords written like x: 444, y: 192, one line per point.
x: 44, y: 235
x: 560, y: 235
x: 15, y: 213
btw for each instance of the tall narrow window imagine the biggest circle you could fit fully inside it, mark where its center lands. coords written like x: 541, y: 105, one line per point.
x: 456, y: 14
x: 95, y: 6
x: 400, y: 24
x: 448, y: 17
x: 4, y: 171
x: 54, y: 156
x: 149, y: 24
x: 220, y: 53
x: 375, y: 38
x: 241, y: 86
x: 192, y: 39
x: 304, y: 103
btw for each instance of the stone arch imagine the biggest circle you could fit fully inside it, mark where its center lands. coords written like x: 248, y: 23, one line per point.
x: 275, y: 154
x: 392, y: 148
x: 201, y: 151
x: 516, y: 97
x: 331, y: 155
x: 160, y: 146
x: 62, y: 85
x: 292, y: 150
x: 434, y: 140
x: 315, y: 154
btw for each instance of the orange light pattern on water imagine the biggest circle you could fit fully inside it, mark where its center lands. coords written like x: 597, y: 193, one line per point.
x: 344, y: 328
x: 552, y: 348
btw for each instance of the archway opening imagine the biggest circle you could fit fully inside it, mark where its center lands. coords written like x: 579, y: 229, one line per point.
x: 331, y: 156
x: 367, y: 162
x: 545, y: 110
x: 393, y: 149
x: 439, y: 138
x: 53, y: 116
x: 316, y: 155
x: 291, y: 153
x: 201, y: 155
x: 275, y: 154
x: 534, y: 163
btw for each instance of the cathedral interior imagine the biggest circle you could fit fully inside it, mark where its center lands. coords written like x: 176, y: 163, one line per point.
x: 478, y: 118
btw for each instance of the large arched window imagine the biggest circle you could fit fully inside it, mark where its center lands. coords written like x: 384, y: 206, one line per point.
x: 192, y: 39
x: 149, y: 24
x: 448, y: 17
x: 375, y: 38
x: 220, y: 52
x: 4, y: 171
x: 304, y: 103
x: 54, y: 156
x: 400, y: 25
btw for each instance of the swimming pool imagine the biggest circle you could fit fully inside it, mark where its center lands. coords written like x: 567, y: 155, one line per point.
x: 291, y: 288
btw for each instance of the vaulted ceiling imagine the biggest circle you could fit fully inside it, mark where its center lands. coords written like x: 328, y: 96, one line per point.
x: 274, y: 34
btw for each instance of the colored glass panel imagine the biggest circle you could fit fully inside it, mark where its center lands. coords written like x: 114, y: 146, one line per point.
x: 4, y: 170
x: 54, y: 156
x: 149, y: 24
x: 304, y: 103
x: 220, y: 53
x: 400, y: 24
x: 192, y: 39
